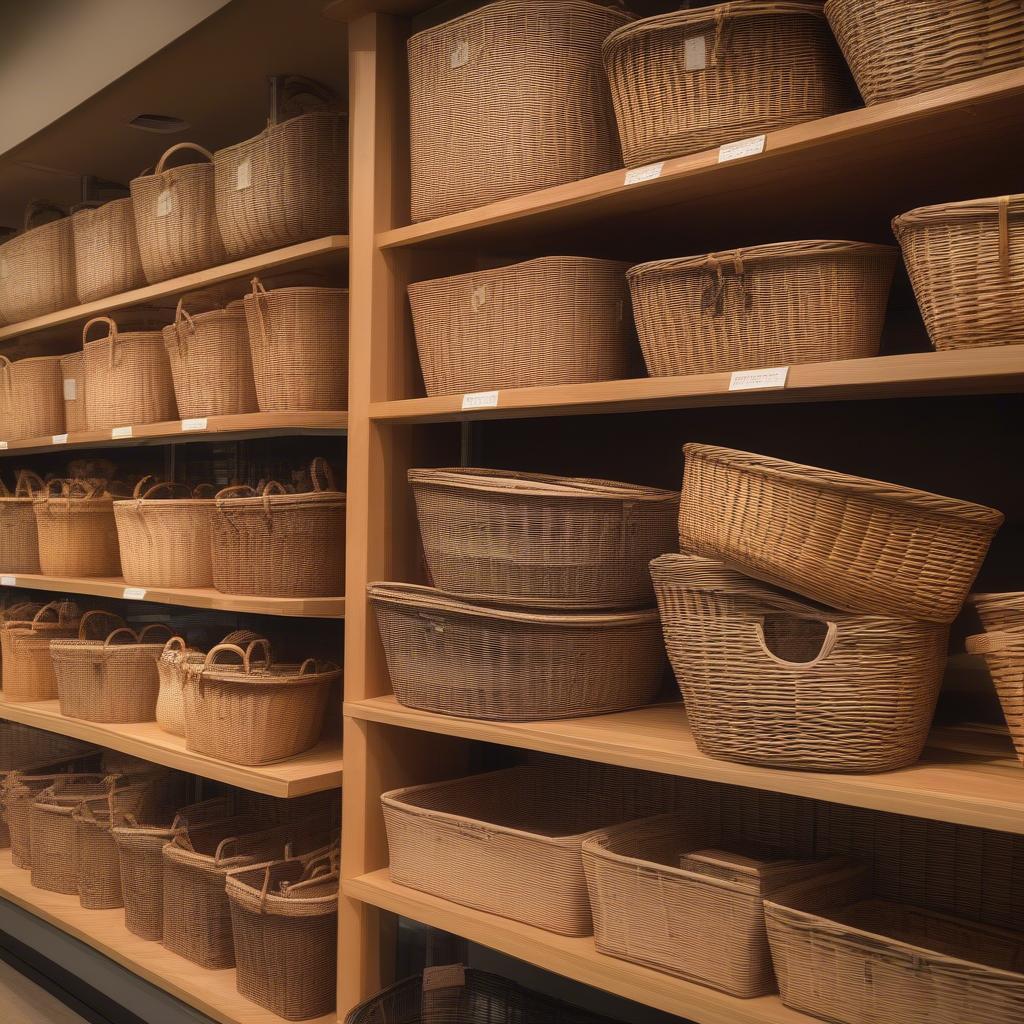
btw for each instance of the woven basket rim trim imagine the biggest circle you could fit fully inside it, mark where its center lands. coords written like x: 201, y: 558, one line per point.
x: 537, y: 484
x: 271, y: 129
x: 492, y: 272
x: 959, y: 211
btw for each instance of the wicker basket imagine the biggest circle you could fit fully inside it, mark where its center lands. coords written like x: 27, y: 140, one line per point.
x: 19, y: 542
x: 966, y: 261
x: 28, y: 674
x: 553, y: 320
x: 37, y: 267
x: 508, y: 842
x: 299, y: 343
x: 170, y: 702
x: 542, y: 541
x: 175, y: 217
x: 852, y: 543
x: 896, y: 49
x: 690, y: 80
x: 31, y: 398
x: 77, y: 533
x: 106, y: 250
x: 471, y: 661
x: 1003, y: 650
x: 276, y: 544
x: 72, y: 371
x: 769, y: 305
x: 127, y: 378
x: 512, y: 94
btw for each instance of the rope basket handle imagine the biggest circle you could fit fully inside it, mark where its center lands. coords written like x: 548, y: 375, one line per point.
x: 38, y: 206
x: 236, y: 491
x: 175, y: 643
x: 5, y: 369
x: 27, y: 483
x: 178, y: 148
x: 134, y: 637
x: 259, y: 295
x: 245, y: 655
x: 147, y: 630
x: 95, y: 615
x: 171, y: 486
x: 111, y: 327
x: 222, y: 846
x: 56, y: 608
x: 321, y: 467
x: 829, y: 642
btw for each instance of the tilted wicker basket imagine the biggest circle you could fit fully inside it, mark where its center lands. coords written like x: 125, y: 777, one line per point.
x: 107, y: 258
x: 37, y: 268
x: 19, y: 541
x: 27, y: 667
x: 76, y: 529
x: 31, y: 398
x: 72, y: 371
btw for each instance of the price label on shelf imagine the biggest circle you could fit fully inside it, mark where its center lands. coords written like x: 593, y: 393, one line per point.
x: 479, y: 400
x: 3, y: 446
x: 134, y: 593
x: 8, y: 581
x: 745, y: 147
x: 759, y: 380
x: 120, y: 432
x: 199, y: 423
x: 60, y: 438
x: 646, y: 173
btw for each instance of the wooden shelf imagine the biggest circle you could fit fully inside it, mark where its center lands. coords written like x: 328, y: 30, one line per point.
x: 211, y: 992
x: 312, y: 607
x: 970, y: 778
x: 312, y: 772
x: 571, y: 957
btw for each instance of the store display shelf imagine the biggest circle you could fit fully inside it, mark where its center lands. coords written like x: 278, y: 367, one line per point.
x: 969, y: 777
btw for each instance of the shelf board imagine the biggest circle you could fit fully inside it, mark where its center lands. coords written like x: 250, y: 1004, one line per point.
x: 954, y: 372
x: 312, y: 772
x: 574, y: 958
x: 211, y: 992
x: 967, y: 778
x: 312, y: 607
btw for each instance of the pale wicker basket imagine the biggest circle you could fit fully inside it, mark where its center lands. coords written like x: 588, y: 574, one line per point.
x: 77, y: 533
x: 31, y: 398
x: 72, y: 371
x: 19, y: 541
x: 107, y: 258
x: 37, y: 269
x: 28, y: 674
x: 1002, y: 646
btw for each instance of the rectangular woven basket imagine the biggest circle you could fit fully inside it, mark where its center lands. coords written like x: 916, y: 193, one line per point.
x: 106, y: 250
x: 31, y: 397
x: 37, y: 269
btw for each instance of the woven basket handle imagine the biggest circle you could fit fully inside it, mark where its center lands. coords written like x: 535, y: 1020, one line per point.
x: 245, y: 655
x: 57, y: 609
x: 320, y: 468
x: 28, y: 483
x: 121, y: 631
x: 176, y: 643
x: 40, y: 206
x: 181, y: 147
x: 171, y: 486
x: 223, y: 845
x: 5, y: 369
x: 259, y: 295
x: 995, y: 642
x: 831, y: 636
x: 95, y: 616
x: 147, y: 630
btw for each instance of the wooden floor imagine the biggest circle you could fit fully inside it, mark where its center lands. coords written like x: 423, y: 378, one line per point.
x: 24, y: 1002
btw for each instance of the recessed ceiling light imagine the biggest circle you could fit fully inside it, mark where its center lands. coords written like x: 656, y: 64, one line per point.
x: 162, y: 124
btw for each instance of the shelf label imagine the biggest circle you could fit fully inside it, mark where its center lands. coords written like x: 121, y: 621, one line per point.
x: 745, y: 147
x: 479, y: 400
x: 646, y: 173
x: 460, y: 54
x: 695, y: 53
x: 163, y: 203
x: 243, y: 178
x: 70, y: 389
x: 120, y: 432
x: 60, y: 438
x: 8, y: 581
x: 759, y: 380
x: 3, y: 446
x: 134, y: 593
x: 199, y: 423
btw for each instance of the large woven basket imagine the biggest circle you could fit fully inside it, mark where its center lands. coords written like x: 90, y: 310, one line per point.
x: 513, y: 95
x: 72, y: 371
x: 19, y: 542
x: 553, y: 320
x: 27, y: 668
x: 471, y: 661
x: 896, y: 49
x: 77, y: 533
x: 1003, y: 650
x: 769, y: 305
x: 175, y: 217
x: 689, y: 80
x: 799, y: 687
x: 966, y: 263
x: 106, y: 250
x: 846, y: 541
x: 31, y: 398
x: 37, y: 269
x: 20, y: 789
x: 276, y: 544
x: 299, y: 343
x: 542, y: 541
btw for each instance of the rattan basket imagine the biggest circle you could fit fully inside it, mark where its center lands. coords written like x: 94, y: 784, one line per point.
x: 896, y: 49
x: 1003, y: 650
x: 553, y: 320
x: 471, y: 661
x: 299, y: 343
x: 28, y: 674
x: 768, y: 305
x: 170, y: 702
x: 966, y: 262
x: 852, y: 543
x: 175, y: 217
x: 37, y: 268
x: 541, y: 541
x: 31, y: 398
x: 690, y: 80
x: 76, y: 529
x: 513, y: 95
x: 19, y: 542
x: 72, y: 371
x: 106, y: 250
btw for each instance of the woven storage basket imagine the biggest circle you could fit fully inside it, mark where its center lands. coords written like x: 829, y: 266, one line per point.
x: 127, y: 378
x: 77, y: 533
x: 72, y: 371
x: 896, y: 49
x: 472, y: 661
x: 846, y: 541
x: 769, y: 305
x: 689, y: 80
x: 20, y: 790
x: 966, y: 263
x: 27, y: 668
x: 276, y: 544
x: 31, y: 398
x: 284, y: 919
x: 170, y: 702
x: 553, y: 320
x: 19, y: 542
x: 1003, y: 650
x: 106, y: 250
x: 299, y: 343
x: 37, y: 268
x: 175, y: 217
x: 543, y: 541
x: 513, y: 95
x: 165, y: 542
x: 508, y: 842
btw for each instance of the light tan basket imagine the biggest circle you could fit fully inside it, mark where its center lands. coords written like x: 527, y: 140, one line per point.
x: 541, y: 541
x: 72, y: 371
x: 77, y: 533
x: 20, y: 789
x: 106, y: 250
x: 299, y: 343
x: 896, y: 49
x: 966, y: 262
x: 37, y: 268
x: 523, y: 70
x: 553, y: 320
x: 27, y: 668
x: 170, y: 701
x: 31, y: 398
x: 846, y: 541
x: 19, y: 542
x: 1003, y: 650
x: 175, y: 217
x: 768, y: 305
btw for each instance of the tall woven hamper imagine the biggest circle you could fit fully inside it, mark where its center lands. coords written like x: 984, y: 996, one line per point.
x: 31, y: 397
x: 37, y: 270
x: 19, y: 541
x: 107, y: 258
x: 76, y: 529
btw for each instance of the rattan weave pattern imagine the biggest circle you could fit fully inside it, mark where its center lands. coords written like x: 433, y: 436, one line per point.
x: 76, y: 530
x: 1003, y: 650
x: 19, y: 541
x: 72, y: 371
x: 31, y: 397
x: 27, y: 668
x: 107, y: 258
x: 170, y: 702
x: 37, y: 270
x: 20, y: 790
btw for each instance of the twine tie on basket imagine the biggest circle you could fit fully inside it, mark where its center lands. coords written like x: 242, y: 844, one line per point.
x: 713, y: 294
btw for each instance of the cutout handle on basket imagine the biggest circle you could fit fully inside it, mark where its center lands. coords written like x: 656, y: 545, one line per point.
x: 179, y: 148
x: 829, y: 641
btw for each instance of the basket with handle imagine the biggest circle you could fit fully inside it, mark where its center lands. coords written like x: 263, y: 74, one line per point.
x: 31, y: 397
x: 18, y: 615
x: 176, y: 217
x: 107, y: 258
x: 76, y: 529
x: 27, y: 668
x: 72, y: 372
x: 37, y: 268
x: 19, y: 541
x: 1003, y: 650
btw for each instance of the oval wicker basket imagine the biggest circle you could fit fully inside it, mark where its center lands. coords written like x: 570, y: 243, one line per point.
x: 37, y: 268
x: 72, y: 371
x: 176, y: 217
x: 19, y: 541
x: 523, y: 70
x: 106, y: 250
x: 1003, y: 650
x: 28, y: 674
x: 542, y: 541
x: 897, y: 49
x: 76, y: 529
x: 553, y: 320
x: 31, y: 398
x: 690, y: 80
x: 768, y: 305
x: 470, y: 661
x: 299, y: 343
x: 852, y: 543
x: 966, y: 263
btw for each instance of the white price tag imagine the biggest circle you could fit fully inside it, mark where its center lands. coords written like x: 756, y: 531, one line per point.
x: 60, y: 438
x: 759, y: 380
x: 134, y: 593
x: 745, y: 147
x: 120, y: 432
x: 480, y: 400
x: 243, y: 178
x: 460, y: 54
x: 8, y: 581
x: 70, y: 389
x: 646, y: 173
x: 199, y: 423
x: 695, y: 53
x: 3, y: 446
x: 478, y: 297
x: 164, y: 201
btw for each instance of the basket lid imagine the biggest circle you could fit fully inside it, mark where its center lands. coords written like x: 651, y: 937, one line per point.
x: 537, y: 484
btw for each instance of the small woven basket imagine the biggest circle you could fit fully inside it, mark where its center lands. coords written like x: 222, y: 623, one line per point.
x: 1002, y: 646
x: 106, y: 250
x: 19, y: 542
x: 553, y: 320
x: 769, y: 305
x: 966, y: 263
x: 37, y: 268
x: 18, y: 792
x: 28, y: 674
x: 31, y: 398
x: 77, y: 533
x: 170, y: 702
x: 851, y: 543
x: 72, y: 371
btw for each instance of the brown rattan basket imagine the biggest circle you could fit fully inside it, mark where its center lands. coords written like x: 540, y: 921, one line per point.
x: 106, y: 250
x: 20, y: 789
x: 1003, y: 649
x: 72, y: 371
x: 76, y: 529
x: 37, y: 269
x: 541, y: 541
x: 31, y: 398
x: 27, y: 668
x: 170, y: 702
x: 19, y: 542
x: 768, y: 305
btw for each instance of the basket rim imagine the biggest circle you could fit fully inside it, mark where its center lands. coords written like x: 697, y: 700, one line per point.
x: 270, y: 129
x: 492, y: 272
x: 161, y: 504
x: 89, y: 211
x: 966, y: 209
x: 33, y: 359
x: 1011, y: 598
x: 543, y: 485
x: 192, y: 671
x: 127, y: 338
x: 257, y: 503
x: 250, y: 296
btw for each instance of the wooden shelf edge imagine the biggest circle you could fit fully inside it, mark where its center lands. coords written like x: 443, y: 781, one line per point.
x: 571, y: 957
